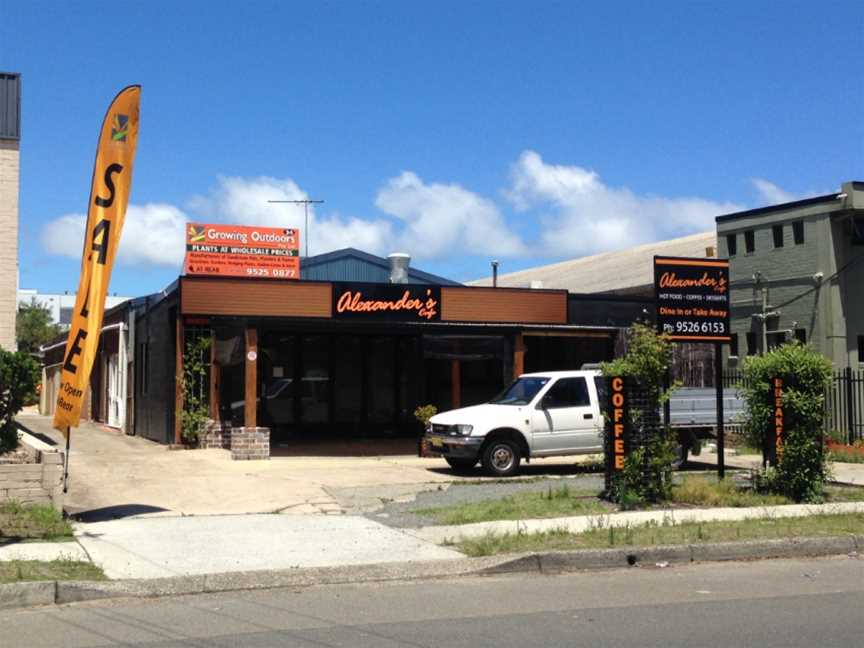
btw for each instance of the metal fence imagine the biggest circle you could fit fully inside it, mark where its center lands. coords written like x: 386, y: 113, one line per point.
x: 844, y: 402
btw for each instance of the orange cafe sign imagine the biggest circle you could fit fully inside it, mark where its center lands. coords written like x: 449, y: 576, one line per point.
x: 242, y: 251
x: 777, y: 407
x: 620, y: 422
x: 387, y: 302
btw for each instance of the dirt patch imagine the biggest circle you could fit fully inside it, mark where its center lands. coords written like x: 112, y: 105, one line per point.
x: 22, y: 455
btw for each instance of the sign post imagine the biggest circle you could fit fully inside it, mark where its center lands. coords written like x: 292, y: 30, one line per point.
x: 692, y: 297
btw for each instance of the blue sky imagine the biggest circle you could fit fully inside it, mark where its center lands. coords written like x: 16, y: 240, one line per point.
x: 455, y: 131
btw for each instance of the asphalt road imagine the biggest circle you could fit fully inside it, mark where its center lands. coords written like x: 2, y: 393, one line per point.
x: 772, y: 603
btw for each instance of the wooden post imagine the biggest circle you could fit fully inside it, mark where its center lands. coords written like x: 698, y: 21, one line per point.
x: 178, y: 381
x: 456, y: 383
x: 251, y: 405
x: 215, y: 376
x: 518, y: 355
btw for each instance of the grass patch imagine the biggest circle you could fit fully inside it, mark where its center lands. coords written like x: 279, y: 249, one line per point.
x: 652, y: 534
x: 692, y: 491
x: 702, y: 491
x: 13, y: 571
x: 552, y: 502
x: 32, y: 521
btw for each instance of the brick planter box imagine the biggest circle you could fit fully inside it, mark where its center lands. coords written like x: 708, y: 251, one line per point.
x: 250, y: 443
x: 217, y: 435
x: 34, y: 483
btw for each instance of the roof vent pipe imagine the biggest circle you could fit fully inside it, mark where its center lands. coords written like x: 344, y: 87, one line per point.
x: 399, y: 267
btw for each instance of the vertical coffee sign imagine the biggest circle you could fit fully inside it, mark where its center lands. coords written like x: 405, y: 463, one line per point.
x: 692, y: 298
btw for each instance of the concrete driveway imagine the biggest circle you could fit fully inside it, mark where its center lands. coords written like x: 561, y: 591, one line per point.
x: 112, y: 475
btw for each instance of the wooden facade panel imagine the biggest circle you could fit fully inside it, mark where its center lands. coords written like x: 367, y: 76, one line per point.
x: 263, y: 298
x: 503, y: 305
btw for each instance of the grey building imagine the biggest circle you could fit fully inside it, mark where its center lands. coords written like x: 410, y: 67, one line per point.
x: 796, y: 271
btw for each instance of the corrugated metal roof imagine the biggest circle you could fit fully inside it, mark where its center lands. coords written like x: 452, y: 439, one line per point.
x: 622, y: 271
x: 350, y: 264
x: 10, y: 106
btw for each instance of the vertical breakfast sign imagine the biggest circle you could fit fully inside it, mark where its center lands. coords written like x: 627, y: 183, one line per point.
x: 109, y: 196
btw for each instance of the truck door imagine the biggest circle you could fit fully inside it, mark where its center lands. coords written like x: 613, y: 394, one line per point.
x: 564, y: 419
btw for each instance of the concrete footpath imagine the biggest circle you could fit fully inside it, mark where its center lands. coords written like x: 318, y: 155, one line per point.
x: 154, y: 547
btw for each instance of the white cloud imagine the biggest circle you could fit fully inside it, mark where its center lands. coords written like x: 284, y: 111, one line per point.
x: 443, y: 220
x: 571, y: 209
x: 771, y: 194
x: 588, y: 216
x: 245, y: 201
x: 152, y: 234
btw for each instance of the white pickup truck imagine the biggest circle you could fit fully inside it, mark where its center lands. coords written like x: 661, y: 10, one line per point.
x: 550, y: 414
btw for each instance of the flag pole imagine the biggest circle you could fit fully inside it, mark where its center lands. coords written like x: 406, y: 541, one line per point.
x: 66, y: 460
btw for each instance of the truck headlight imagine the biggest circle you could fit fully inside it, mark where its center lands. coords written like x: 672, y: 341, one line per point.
x: 464, y: 430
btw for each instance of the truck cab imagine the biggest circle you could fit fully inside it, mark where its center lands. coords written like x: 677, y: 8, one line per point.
x: 544, y: 414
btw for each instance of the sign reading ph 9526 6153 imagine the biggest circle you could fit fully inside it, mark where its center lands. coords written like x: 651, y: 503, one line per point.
x: 692, y: 298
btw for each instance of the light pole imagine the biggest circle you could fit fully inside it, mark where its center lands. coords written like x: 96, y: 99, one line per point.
x: 305, y: 204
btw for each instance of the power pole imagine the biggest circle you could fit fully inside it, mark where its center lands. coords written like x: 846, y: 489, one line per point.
x: 305, y: 204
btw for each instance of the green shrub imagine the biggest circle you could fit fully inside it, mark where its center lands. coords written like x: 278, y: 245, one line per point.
x: 802, y: 469
x: 196, y: 411
x: 425, y: 412
x: 18, y: 378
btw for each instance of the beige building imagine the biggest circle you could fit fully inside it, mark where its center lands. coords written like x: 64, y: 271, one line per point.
x: 623, y: 272
x: 10, y: 133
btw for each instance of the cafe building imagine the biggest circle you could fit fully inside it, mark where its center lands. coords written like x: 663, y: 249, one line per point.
x: 348, y: 351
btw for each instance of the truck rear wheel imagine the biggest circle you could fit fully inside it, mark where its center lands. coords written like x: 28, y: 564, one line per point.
x: 681, y: 451
x: 501, y: 458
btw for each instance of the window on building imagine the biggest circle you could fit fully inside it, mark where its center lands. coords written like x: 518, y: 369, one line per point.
x: 861, y: 348
x: 733, y: 345
x: 798, y: 232
x: 66, y: 315
x: 777, y: 231
x: 858, y: 231
x: 801, y: 335
x: 776, y: 339
x: 751, y: 344
x: 732, y: 244
x: 750, y: 241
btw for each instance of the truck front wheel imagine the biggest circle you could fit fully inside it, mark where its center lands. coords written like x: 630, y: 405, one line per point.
x: 501, y: 458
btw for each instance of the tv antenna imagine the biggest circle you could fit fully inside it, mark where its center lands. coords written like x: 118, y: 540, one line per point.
x: 305, y: 204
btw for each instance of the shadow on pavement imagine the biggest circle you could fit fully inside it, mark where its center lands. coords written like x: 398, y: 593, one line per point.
x: 117, y: 512
x: 346, y: 448
x: 528, y: 470
x: 42, y: 437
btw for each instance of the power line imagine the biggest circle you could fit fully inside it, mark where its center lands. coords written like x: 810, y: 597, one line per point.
x: 305, y: 204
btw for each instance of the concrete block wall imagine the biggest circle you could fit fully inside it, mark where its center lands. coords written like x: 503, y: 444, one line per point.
x: 9, y: 183
x: 37, y: 483
x: 250, y: 443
